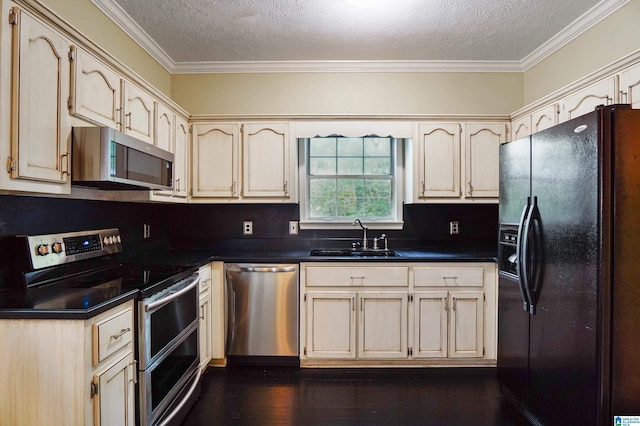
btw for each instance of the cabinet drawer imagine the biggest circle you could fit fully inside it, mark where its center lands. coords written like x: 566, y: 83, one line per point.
x: 443, y: 276
x: 336, y: 276
x: 205, y: 278
x: 111, y: 334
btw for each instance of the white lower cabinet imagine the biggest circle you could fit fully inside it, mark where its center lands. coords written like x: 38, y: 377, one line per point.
x: 204, y: 327
x: 418, y: 314
x: 69, y: 372
x: 448, y: 324
x: 211, y: 311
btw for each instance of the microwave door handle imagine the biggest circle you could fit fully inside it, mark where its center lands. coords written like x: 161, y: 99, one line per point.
x: 520, y: 257
x: 161, y: 302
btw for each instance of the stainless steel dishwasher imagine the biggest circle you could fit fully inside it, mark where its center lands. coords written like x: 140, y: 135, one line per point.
x: 262, y: 314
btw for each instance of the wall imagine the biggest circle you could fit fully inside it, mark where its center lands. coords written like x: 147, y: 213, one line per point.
x: 610, y: 40
x: 349, y: 93
x: 90, y: 21
x: 220, y: 226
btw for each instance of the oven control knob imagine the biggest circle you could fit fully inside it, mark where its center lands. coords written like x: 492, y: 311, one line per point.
x: 107, y: 241
x: 57, y: 248
x: 43, y: 249
x: 117, y: 239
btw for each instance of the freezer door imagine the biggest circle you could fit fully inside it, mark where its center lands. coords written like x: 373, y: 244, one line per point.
x: 515, y: 179
x: 563, y: 331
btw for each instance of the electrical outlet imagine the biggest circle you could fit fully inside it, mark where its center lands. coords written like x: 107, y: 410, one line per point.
x: 454, y: 227
x: 293, y: 227
x: 146, y: 231
x: 247, y: 227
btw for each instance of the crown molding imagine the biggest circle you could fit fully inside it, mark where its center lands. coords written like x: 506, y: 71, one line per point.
x: 590, y: 18
x: 135, y: 31
x: 582, y: 24
x: 345, y: 66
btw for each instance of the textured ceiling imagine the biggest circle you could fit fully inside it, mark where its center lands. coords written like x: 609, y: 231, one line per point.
x: 342, y: 30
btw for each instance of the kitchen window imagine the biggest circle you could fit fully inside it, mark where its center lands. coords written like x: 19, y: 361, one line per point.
x: 343, y: 178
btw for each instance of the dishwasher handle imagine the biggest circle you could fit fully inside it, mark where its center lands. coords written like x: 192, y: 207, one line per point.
x: 262, y: 268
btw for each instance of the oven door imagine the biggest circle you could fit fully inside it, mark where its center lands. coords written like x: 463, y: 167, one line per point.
x: 164, y: 319
x: 168, y: 378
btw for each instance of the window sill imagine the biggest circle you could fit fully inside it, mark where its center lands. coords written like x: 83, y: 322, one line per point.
x: 311, y: 224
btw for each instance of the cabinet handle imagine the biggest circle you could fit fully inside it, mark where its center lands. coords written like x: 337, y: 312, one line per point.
x: 233, y: 188
x: 129, y: 116
x: 454, y: 304
x: 286, y: 187
x: 134, y: 365
x: 623, y: 97
x: 122, y: 333
x: 68, y: 162
x: 202, y: 312
x: 469, y: 189
x: 176, y: 187
x: 446, y: 305
x: 118, y: 116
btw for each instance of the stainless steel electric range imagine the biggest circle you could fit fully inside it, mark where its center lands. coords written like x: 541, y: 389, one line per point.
x: 80, y: 270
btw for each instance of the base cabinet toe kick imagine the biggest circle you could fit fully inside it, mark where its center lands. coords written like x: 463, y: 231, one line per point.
x: 398, y: 314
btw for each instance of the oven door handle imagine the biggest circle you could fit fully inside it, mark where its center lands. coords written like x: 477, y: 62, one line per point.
x: 161, y: 302
x: 176, y: 410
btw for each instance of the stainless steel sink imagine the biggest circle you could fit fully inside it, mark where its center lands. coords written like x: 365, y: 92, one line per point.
x: 353, y: 253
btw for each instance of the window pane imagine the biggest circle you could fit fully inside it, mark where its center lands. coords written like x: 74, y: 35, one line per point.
x: 322, y: 166
x: 378, y: 197
x: 377, y: 166
x: 377, y: 147
x: 325, y: 147
x: 322, y: 197
x: 350, y: 147
x: 350, y: 166
x: 350, y: 188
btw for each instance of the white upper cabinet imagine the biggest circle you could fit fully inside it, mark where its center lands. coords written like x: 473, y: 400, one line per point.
x: 544, y: 118
x: 243, y: 162
x: 439, y: 159
x: 138, y: 112
x: 521, y: 127
x: 40, y: 128
x: 95, y: 90
x: 266, y: 160
x: 181, y: 158
x: 164, y: 127
x: 630, y: 86
x: 215, y: 167
x: 482, y: 142
x: 586, y: 100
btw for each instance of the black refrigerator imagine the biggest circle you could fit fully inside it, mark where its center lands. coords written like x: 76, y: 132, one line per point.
x: 569, y: 270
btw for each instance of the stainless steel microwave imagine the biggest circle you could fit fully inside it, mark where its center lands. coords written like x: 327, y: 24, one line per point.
x: 105, y: 158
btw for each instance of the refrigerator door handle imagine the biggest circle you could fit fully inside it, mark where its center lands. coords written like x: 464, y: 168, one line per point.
x: 530, y: 248
x: 520, y: 251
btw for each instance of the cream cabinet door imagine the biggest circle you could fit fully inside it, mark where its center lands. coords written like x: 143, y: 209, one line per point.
x: 164, y: 127
x: 482, y: 142
x: 382, y: 325
x: 215, y: 160
x: 331, y: 324
x: 544, y: 118
x: 439, y: 160
x: 266, y: 160
x: 466, y: 324
x: 630, y: 86
x: 114, y: 402
x: 217, y: 310
x: 138, y: 106
x: 40, y: 129
x: 430, y: 324
x: 95, y: 90
x: 586, y: 100
x: 204, y: 330
x: 181, y: 158
x: 521, y: 127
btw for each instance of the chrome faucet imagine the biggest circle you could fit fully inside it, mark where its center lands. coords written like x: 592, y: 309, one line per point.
x: 364, y: 229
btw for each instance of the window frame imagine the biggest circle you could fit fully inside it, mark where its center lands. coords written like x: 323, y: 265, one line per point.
x: 397, y: 191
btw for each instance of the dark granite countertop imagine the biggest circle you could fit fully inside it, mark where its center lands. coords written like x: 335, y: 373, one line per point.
x: 58, y: 302
x: 199, y: 257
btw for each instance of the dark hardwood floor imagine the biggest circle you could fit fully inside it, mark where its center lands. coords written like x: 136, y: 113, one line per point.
x: 292, y: 396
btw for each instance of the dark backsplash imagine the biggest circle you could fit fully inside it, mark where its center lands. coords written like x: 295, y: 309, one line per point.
x: 220, y: 225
